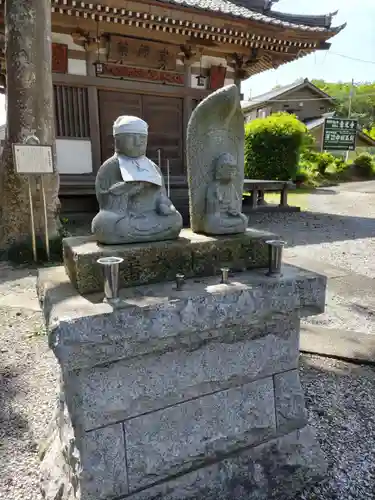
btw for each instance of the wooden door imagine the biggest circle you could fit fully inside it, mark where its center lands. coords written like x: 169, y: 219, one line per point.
x: 164, y: 117
x: 111, y: 106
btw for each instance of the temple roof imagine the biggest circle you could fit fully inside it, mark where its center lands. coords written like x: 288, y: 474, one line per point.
x: 260, y: 10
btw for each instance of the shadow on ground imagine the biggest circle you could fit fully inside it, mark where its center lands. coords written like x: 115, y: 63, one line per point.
x: 311, y: 228
x: 12, y: 424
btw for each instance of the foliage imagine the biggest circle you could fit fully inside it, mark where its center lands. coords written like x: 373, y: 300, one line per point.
x: 323, y: 161
x: 363, y: 100
x: 370, y: 132
x: 365, y: 164
x: 302, y: 175
x: 272, y: 147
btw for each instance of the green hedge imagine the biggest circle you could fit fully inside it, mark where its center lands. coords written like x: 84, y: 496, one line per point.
x: 272, y: 147
x: 365, y: 164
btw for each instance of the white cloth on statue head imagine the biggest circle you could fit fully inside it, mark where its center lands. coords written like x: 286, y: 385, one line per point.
x: 130, y: 125
x: 139, y: 170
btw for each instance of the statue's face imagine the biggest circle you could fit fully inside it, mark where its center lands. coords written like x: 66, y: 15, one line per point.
x: 226, y: 168
x: 133, y: 145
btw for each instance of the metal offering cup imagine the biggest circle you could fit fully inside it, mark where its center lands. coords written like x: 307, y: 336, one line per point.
x: 111, y: 267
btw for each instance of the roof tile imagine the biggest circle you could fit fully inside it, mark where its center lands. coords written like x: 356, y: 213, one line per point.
x: 236, y: 8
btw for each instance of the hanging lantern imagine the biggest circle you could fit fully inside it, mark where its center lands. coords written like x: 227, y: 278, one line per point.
x: 201, y: 79
x: 98, y: 65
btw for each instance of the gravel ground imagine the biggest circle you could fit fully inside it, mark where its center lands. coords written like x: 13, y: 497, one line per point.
x: 28, y: 385
x: 339, y: 396
x: 340, y: 404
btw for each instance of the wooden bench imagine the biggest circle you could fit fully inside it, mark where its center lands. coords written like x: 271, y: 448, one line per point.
x: 257, y: 188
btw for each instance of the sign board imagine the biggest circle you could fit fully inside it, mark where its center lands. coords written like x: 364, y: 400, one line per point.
x: 33, y: 159
x: 151, y: 75
x: 339, y: 134
x: 143, y: 53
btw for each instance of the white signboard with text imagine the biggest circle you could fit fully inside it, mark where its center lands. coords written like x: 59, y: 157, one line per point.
x: 33, y: 159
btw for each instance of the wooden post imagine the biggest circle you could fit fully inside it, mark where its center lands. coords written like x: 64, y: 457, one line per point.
x: 30, y: 111
x: 187, y: 107
x: 284, y: 196
x: 93, y: 103
x: 254, y: 197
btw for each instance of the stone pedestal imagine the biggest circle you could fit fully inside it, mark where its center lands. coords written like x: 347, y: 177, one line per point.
x: 194, y: 255
x: 178, y: 395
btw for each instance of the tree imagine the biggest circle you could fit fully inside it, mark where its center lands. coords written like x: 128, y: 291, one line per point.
x: 29, y: 112
x: 363, y: 100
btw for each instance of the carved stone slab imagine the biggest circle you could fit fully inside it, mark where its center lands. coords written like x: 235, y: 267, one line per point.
x: 216, y: 126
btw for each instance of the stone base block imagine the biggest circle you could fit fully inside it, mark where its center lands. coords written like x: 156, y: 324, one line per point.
x: 181, y: 394
x: 276, y: 469
x: 193, y: 255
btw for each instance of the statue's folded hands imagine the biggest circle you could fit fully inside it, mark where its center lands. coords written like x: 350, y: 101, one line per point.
x: 117, y: 189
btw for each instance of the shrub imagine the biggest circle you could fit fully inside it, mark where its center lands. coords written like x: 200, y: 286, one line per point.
x: 323, y: 161
x: 272, y: 147
x: 364, y: 164
x: 302, y: 175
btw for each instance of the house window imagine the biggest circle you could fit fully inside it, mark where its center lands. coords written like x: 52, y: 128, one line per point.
x: 262, y: 112
x: 71, y: 112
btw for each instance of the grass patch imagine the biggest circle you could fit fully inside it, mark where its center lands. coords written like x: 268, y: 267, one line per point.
x: 296, y: 198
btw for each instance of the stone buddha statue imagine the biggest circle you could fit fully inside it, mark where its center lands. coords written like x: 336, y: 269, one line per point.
x: 215, y: 158
x: 130, y: 190
x: 223, y: 203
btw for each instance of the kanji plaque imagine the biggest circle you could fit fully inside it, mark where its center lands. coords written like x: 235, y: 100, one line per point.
x: 151, y: 75
x: 131, y: 51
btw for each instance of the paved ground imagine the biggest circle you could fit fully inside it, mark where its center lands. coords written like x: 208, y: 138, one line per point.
x: 338, y: 236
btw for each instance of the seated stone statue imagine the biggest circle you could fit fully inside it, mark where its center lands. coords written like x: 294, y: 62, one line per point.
x: 223, y: 203
x: 133, y: 203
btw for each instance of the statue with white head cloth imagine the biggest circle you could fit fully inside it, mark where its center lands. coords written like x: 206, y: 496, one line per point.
x: 131, y: 193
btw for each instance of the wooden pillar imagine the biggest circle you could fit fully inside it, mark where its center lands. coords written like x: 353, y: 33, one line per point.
x: 30, y: 110
x: 93, y: 103
x: 187, y: 108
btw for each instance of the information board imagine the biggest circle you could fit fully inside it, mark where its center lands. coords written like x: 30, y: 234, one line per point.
x: 33, y: 159
x: 339, y: 134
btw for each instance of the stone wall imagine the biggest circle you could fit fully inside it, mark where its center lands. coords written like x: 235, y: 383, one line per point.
x: 181, y: 394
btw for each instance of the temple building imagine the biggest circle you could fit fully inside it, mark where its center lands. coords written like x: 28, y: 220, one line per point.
x: 157, y: 59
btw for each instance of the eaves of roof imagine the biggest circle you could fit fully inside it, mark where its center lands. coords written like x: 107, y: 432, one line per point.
x: 235, y: 8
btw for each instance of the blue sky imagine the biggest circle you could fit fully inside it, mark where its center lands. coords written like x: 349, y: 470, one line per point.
x: 356, y: 40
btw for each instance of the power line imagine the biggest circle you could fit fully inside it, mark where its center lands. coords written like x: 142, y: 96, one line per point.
x: 301, y: 99
x: 330, y: 52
